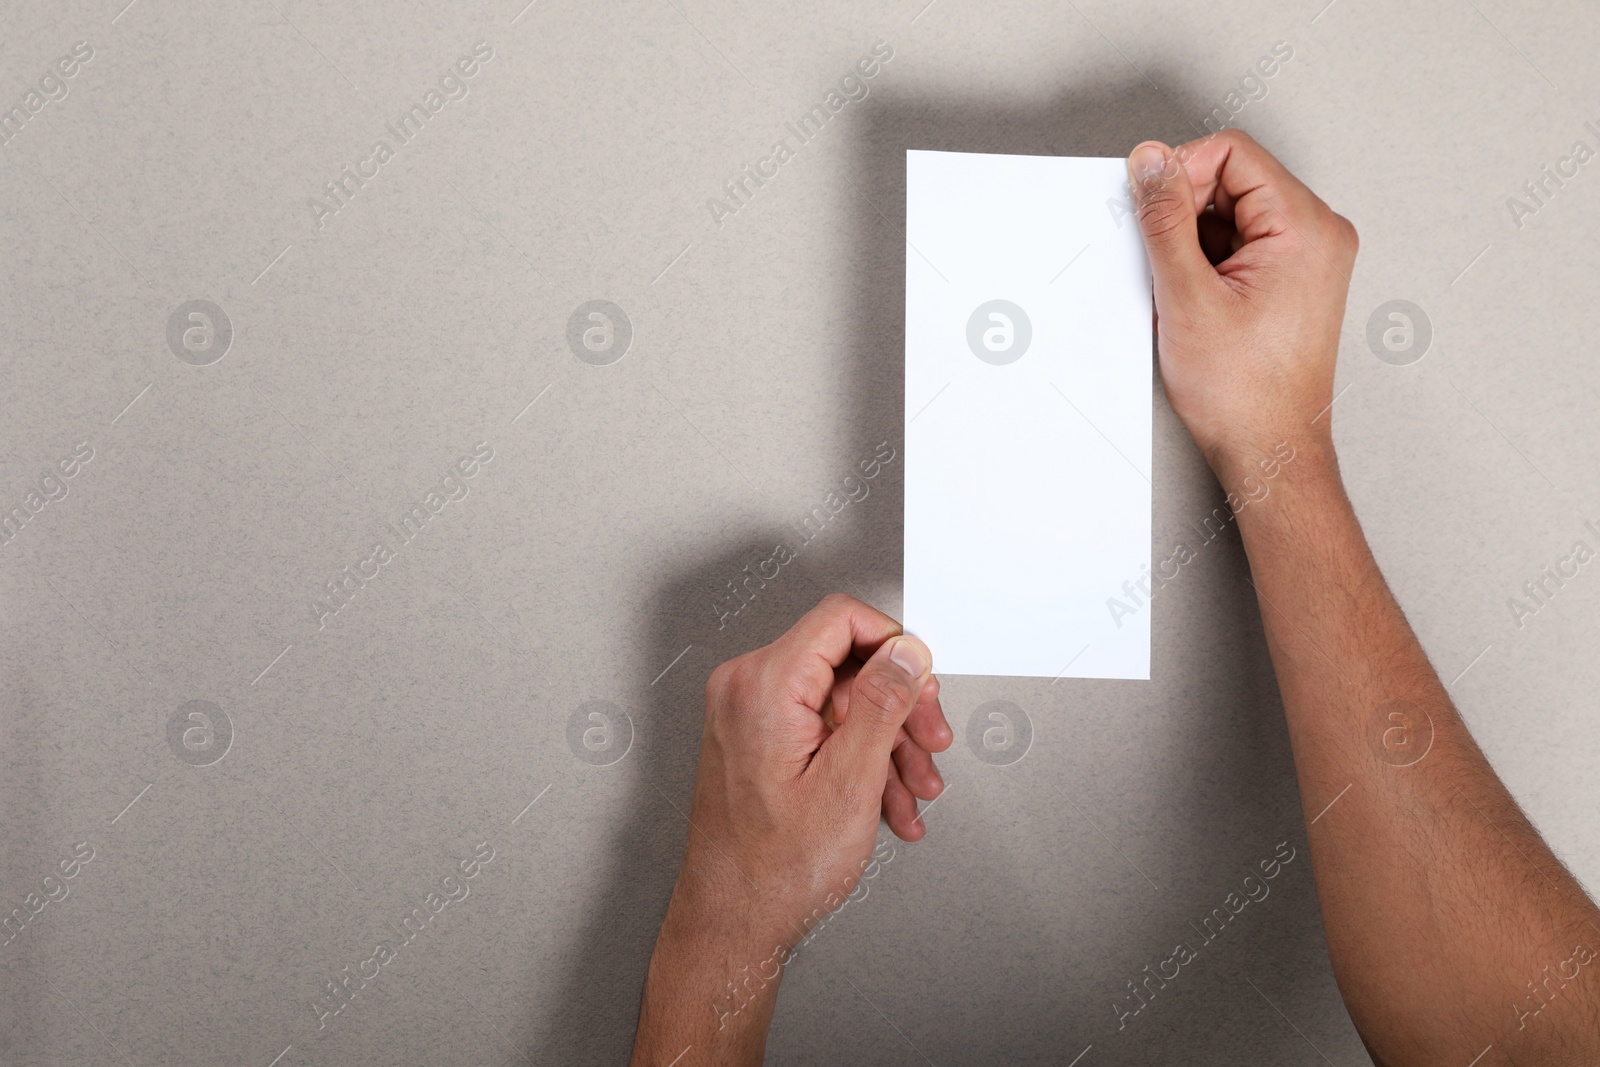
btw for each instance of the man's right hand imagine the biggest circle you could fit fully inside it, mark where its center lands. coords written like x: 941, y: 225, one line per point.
x: 1251, y: 271
x: 1456, y: 935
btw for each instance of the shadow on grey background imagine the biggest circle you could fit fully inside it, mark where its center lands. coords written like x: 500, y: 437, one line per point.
x: 1212, y: 694
x: 594, y: 1021
x: 22, y: 756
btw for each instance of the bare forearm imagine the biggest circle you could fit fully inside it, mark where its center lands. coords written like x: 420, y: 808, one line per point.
x: 1440, y: 901
x: 714, y: 975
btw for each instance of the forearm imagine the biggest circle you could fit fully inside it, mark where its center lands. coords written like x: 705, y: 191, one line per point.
x: 1440, y: 901
x: 711, y: 988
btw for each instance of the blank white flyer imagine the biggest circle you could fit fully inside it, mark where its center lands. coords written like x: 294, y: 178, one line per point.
x: 1028, y: 417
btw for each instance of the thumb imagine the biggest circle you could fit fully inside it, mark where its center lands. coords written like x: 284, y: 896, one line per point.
x: 881, y: 696
x: 1164, y: 200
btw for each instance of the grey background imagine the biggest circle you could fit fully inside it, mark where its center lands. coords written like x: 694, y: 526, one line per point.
x: 370, y: 756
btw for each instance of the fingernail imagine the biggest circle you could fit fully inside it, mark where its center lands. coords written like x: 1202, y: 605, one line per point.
x: 1147, y: 161
x: 908, y: 657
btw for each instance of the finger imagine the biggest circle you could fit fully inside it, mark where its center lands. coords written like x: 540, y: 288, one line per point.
x: 838, y: 709
x: 1247, y: 184
x: 838, y: 706
x: 1167, y: 214
x: 900, y: 809
x: 917, y: 772
x: 848, y: 669
x: 802, y: 662
x: 883, y: 694
x: 838, y: 626
x: 928, y: 727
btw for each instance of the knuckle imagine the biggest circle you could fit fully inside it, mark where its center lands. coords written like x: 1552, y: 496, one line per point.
x: 1161, y: 215
x: 717, y: 684
x: 1336, y: 233
x: 880, y: 693
x: 835, y: 602
x: 784, y: 679
x: 725, y: 682
x: 1234, y: 136
x: 1347, y: 232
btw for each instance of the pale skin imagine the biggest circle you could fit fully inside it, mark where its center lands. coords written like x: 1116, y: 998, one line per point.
x: 1453, y: 930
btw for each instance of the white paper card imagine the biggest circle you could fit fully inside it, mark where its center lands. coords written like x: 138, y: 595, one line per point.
x: 1028, y: 408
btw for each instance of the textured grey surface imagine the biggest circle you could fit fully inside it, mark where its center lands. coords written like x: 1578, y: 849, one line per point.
x: 369, y: 757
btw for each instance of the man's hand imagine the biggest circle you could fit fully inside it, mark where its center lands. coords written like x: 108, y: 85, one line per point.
x: 785, y: 808
x: 1247, y: 345
x: 1456, y: 935
x: 806, y: 742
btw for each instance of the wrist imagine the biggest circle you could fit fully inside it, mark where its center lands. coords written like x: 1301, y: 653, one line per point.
x: 1302, y: 506
x: 1250, y: 471
x: 717, y: 903
x: 719, y: 932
